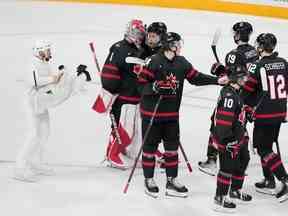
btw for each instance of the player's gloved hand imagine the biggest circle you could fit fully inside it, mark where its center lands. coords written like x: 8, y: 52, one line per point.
x: 249, y: 113
x: 164, y: 87
x: 233, y: 147
x: 218, y: 69
x: 82, y: 69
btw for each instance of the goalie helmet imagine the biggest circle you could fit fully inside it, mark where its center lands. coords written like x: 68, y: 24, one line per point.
x: 42, y: 49
x: 172, y: 41
x: 135, y: 32
x: 242, y: 31
x: 266, y: 42
x: 238, y: 74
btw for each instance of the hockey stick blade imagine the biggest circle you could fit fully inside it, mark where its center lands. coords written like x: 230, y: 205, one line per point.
x: 135, y: 60
x: 216, y: 37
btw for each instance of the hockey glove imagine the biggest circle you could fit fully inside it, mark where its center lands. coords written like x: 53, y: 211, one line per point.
x: 249, y: 113
x: 164, y: 87
x: 82, y: 69
x: 217, y: 69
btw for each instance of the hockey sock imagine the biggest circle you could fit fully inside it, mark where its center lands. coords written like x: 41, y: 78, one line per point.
x: 148, y: 164
x: 274, y: 163
x: 223, y: 183
x: 171, y: 163
x: 237, y: 182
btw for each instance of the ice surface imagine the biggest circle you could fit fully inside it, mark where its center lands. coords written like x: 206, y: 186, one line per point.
x: 79, y: 135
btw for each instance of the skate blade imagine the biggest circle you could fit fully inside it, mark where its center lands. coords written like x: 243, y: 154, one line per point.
x: 283, y: 198
x: 154, y: 195
x: 240, y: 201
x: 18, y: 178
x: 211, y: 173
x: 173, y: 193
x: 271, y: 192
x: 221, y: 209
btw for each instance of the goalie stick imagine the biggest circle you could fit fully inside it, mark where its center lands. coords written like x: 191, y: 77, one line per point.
x: 92, y: 48
x: 216, y: 37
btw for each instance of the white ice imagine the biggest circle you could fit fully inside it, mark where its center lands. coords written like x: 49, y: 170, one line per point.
x: 82, y: 186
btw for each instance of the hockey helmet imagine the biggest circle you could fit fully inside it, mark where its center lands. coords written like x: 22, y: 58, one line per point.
x: 242, y: 31
x: 172, y: 41
x: 238, y: 74
x: 159, y: 28
x: 155, y: 34
x: 266, y: 42
x: 42, y: 49
x: 135, y: 32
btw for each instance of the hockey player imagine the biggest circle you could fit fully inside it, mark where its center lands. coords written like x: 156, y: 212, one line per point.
x: 229, y: 134
x: 162, y: 81
x: 45, y: 89
x: 243, y: 55
x: 118, y: 80
x: 269, y: 75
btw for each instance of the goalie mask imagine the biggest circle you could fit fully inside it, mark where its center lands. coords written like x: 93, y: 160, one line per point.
x: 242, y: 31
x: 42, y: 50
x: 135, y: 32
x: 155, y: 33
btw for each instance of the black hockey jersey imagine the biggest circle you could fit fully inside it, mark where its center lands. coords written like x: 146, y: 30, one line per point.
x: 270, y: 77
x: 160, y: 68
x: 243, y: 55
x: 229, y: 116
x: 117, y: 76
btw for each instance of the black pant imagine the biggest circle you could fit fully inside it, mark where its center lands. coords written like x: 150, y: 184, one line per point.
x: 263, y: 138
x: 168, y: 132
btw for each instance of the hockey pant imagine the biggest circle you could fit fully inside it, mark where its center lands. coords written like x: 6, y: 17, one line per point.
x: 263, y: 138
x: 36, y: 104
x: 168, y: 132
x: 232, y: 169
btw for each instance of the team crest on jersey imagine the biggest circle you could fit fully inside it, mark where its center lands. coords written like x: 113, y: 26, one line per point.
x: 173, y: 81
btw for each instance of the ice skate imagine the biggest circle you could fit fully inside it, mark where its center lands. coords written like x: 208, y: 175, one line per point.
x: 151, y: 188
x: 208, y: 167
x: 239, y: 196
x: 174, y: 188
x: 266, y: 186
x: 224, y: 204
x: 25, y: 175
x: 282, y: 195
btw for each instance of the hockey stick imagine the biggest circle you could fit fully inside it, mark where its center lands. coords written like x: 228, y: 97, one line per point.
x: 92, y: 48
x: 216, y: 37
x: 143, y: 141
x: 35, y: 81
x: 185, y: 157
